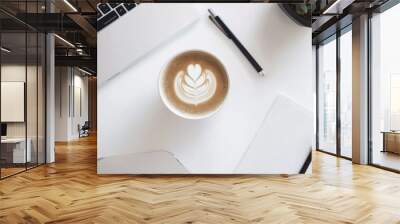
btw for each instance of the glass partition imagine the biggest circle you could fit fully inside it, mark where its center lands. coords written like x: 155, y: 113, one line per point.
x: 22, y: 89
x: 13, y: 109
x: 32, y: 95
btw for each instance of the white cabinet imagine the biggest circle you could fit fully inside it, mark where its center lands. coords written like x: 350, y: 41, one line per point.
x: 19, y: 155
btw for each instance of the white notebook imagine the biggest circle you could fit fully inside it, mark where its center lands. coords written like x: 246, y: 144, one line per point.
x: 283, y: 141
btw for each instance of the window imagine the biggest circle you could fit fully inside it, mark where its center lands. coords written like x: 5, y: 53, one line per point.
x: 346, y: 94
x: 385, y: 89
x: 335, y: 74
x: 394, y: 102
x: 327, y: 97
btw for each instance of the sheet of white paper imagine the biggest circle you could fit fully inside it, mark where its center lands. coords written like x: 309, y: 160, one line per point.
x: 283, y: 141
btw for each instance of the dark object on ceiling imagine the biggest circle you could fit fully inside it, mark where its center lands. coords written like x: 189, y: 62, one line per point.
x: 300, y: 13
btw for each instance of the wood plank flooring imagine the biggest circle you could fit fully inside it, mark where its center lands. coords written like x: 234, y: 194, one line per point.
x: 10, y: 171
x: 70, y: 191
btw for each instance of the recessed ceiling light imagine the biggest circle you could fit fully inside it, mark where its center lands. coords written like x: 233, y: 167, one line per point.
x: 84, y: 71
x: 70, y: 5
x: 337, y: 7
x: 64, y: 40
x: 5, y: 50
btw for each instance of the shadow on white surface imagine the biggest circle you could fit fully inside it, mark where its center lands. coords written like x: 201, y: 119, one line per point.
x: 155, y: 162
x: 283, y: 141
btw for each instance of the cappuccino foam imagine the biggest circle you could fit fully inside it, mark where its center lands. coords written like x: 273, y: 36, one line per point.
x: 195, y: 82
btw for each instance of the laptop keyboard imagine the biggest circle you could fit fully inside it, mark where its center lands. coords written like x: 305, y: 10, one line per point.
x: 109, y: 12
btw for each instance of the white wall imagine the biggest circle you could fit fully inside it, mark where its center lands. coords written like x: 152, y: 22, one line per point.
x: 69, y: 81
x: 62, y: 81
x: 79, y: 117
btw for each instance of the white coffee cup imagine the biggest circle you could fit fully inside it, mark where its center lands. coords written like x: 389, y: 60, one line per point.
x: 213, y: 92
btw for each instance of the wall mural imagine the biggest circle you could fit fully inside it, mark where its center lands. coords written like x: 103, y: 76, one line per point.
x: 200, y: 90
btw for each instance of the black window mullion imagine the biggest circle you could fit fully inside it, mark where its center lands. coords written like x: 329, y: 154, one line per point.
x: 37, y: 90
x: 26, y: 87
x: 338, y: 91
x: 0, y: 94
x: 317, y: 96
x: 45, y: 89
x: 369, y: 91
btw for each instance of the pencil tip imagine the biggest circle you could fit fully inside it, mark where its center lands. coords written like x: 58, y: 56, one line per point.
x: 261, y: 73
x: 211, y: 12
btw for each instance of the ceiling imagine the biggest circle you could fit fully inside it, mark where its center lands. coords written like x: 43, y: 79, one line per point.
x: 76, y: 22
x: 333, y: 17
x: 75, y: 25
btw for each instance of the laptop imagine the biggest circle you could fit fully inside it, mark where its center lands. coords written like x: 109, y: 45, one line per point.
x: 109, y: 12
x: 129, y: 31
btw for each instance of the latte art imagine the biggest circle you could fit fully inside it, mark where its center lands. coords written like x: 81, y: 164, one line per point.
x: 195, y: 85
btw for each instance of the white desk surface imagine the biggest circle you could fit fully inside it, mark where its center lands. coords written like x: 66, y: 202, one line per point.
x: 133, y: 119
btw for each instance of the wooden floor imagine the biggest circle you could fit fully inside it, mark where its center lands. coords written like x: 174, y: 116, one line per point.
x: 70, y: 191
x: 5, y: 172
x: 387, y: 159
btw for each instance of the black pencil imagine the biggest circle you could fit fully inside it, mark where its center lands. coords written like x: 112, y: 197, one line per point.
x: 221, y: 25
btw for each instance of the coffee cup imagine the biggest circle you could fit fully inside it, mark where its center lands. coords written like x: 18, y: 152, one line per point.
x: 193, y: 84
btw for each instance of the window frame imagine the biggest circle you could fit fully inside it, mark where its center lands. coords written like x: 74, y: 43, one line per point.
x: 334, y: 37
x: 373, y: 12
